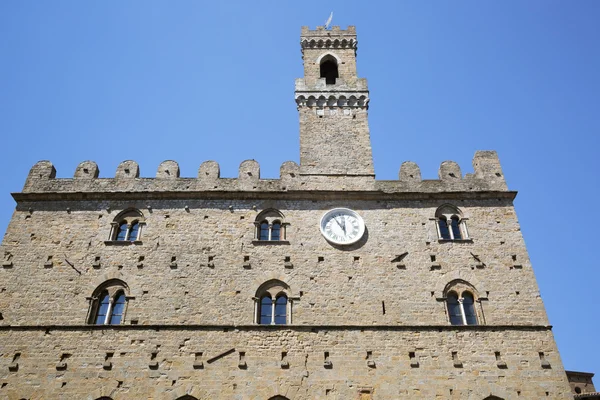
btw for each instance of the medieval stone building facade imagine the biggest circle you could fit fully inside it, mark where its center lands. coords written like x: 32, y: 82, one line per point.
x: 323, y: 284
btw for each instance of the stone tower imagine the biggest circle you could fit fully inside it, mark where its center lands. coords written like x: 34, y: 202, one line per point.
x: 332, y: 104
x: 323, y: 284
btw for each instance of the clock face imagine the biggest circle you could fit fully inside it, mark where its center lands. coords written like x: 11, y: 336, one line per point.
x: 342, y: 226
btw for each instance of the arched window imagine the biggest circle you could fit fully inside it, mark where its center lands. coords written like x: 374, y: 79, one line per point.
x: 329, y: 69
x: 127, y: 226
x: 450, y: 223
x: 460, y: 303
x: 108, y: 303
x: 270, y: 226
x: 272, y: 304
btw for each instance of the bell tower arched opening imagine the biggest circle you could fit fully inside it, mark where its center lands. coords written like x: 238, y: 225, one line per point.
x: 329, y: 69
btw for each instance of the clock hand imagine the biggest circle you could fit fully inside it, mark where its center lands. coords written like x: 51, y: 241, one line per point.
x: 338, y: 222
x: 344, y: 227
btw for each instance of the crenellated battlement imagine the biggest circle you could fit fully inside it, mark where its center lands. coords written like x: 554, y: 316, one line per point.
x: 321, y: 38
x: 487, y: 177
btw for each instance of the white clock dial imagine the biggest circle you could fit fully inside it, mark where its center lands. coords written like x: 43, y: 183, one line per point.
x: 342, y: 226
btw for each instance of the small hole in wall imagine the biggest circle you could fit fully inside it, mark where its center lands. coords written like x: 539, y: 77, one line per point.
x: 287, y: 259
x: 321, y: 259
x: 63, y: 384
x: 3, y: 385
x: 87, y: 171
x: 206, y: 217
x: 126, y: 170
x: 210, y: 258
x: 514, y: 257
x: 498, y: 174
x: 356, y: 258
x: 246, y: 258
x: 432, y: 257
x: 320, y: 116
x: 1, y: 316
x: 120, y: 267
x: 242, y: 217
x: 517, y: 292
x: 145, y: 292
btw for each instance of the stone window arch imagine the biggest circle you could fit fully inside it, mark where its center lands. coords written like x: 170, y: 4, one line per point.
x: 462, y: 303
x: 278, y: 398
x: 127, y: 226
x: 108, y: 303
x: 450, y: 223
x: 329, y: 69
x: 270, y: 226
x: 272, y: 304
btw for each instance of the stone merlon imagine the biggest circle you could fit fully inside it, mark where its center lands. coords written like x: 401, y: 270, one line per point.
x: 487, y: 178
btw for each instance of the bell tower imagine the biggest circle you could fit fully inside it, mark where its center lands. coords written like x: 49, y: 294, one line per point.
x: 332, y: 105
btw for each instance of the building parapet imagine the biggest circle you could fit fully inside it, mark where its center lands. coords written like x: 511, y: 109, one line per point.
x: 487, y: 177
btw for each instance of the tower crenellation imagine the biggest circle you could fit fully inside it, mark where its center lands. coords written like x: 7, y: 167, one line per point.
x: 487, y: 176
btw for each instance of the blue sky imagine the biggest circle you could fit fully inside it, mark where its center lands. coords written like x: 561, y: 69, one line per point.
x: 194, y: 81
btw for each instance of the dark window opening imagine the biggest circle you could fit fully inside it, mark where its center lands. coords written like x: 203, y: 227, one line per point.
x: 454, y: 309
x: 456, y: 228
x: 280, y: 310
x: 329, y: 71
x: 276, y: 231
x: 266, y: 311
x: 264, y: 231
x: 469, y: 306
x: 444, y: 231
x: 103, y: 308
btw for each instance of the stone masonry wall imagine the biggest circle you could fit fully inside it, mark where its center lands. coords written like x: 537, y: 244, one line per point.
x: 350, y: 285
x: 206, y: 363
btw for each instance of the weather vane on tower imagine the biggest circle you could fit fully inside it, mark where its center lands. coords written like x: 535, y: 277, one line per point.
x: 329, y: 20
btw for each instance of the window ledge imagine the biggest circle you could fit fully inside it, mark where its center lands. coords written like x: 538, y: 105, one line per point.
x: 122, y: 242
x: 455, y: 240
x: 270, y: 242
